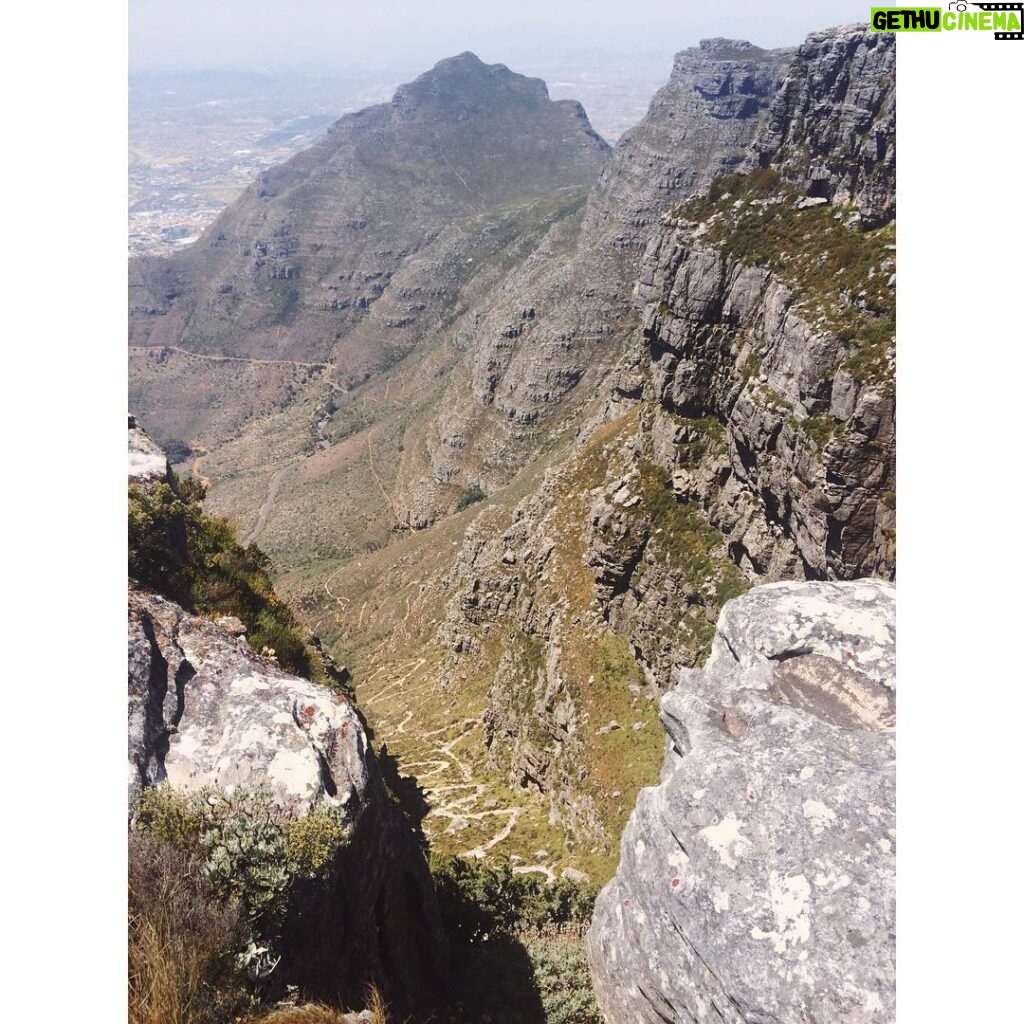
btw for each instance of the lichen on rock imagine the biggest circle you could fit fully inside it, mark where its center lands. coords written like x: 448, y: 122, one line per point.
x: 757, y: 880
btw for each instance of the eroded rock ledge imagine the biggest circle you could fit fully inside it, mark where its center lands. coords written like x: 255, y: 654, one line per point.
x: 757, y: 881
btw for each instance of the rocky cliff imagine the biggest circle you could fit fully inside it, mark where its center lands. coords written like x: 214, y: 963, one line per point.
x: 789, y: 350
x: 757, y: 880
x: 847, y: 156
x: 746, y: 434
x: 207, y: 713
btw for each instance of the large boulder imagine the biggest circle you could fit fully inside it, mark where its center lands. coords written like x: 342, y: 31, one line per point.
x: 205, y: 710
x: 757, y: 881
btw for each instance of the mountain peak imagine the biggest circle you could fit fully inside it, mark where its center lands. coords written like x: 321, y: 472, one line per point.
x: 466, y: 74
x: 729, y: 49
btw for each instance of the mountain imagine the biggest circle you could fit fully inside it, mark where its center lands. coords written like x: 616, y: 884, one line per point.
x: 539, y: 424
x: 344, y: 257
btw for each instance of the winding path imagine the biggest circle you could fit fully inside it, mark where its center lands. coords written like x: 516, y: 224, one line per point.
x: 217, y: 358
x: 268, y: 503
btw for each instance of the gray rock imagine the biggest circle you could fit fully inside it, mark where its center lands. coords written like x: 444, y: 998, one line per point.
x: 232, y: 719
x: 757, y: 881
x: 147, y: 463
x: 575, y: 875
x: 204, y: 710
x: 847, y: 74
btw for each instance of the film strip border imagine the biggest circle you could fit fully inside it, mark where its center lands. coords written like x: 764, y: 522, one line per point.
x: 1019, y: 8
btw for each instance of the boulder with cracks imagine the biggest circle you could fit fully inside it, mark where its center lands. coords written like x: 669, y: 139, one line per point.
x: 757, y: 881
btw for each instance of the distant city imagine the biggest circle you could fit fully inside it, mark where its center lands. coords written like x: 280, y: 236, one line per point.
x: 197, y: 139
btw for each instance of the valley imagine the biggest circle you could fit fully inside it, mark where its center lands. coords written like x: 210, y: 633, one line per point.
x: 515, y: 418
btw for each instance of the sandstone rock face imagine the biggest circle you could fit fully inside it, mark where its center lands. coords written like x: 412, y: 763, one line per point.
x: 698, y: 126
x: 204, y: 710
x: 208, y: 711
x: 726, y: 342
x: 848, y: 156
x: 757, y: 880
x: 563, y: 316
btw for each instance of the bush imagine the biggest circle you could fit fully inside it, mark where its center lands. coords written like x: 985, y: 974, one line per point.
x: 182, y: 939
x: 470, y: 496
x: 313, y: 841
x: 478, y: 900
x: 212, y: 880
x: 177, y: 451
x: 196, y: 560
x: 520, y: 942
x: 561, y: 975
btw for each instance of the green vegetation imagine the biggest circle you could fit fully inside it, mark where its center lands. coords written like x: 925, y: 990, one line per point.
x: 518, y: 943
x: 470, y: 496
x: 834, y: 269
x: 480, y: 900
x: 311, y: 842
x: 177, y: 451
x: 183, y: 940
x: 250, y: 856
x: 820, y: 429
x: 195, y: 559
x: 686, y: 541
x: 211, y: 878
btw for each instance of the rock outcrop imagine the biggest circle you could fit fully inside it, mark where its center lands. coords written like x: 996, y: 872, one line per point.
x: 699, y: 126
x: 757, y: 880
x: 205, y: 711
x: 147, y: 463
x: 832, y: 125
x: 802, y: 481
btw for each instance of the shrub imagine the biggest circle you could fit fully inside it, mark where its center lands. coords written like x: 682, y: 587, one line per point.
x: 561, y: 975
x: 519, y: 941
x: 177, y: 451
x: 478, y: 900
x: 470, y: 496
x: 196, y: 560
x: 182, y: 939
x: 313, y: 841
x: 242, y: 846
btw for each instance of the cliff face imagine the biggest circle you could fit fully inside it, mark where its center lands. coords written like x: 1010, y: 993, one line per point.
x: 699, y: 126
x: 832, y: 126
x: 757, y: 880
x: 798, y: 373
x: 746, y: 434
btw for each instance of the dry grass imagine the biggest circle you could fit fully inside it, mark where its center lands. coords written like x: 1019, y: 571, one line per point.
x: 181, y: 941
x: 318, y: 1013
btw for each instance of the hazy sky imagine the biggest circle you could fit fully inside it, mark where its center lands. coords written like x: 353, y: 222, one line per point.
x: 334, y: 34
